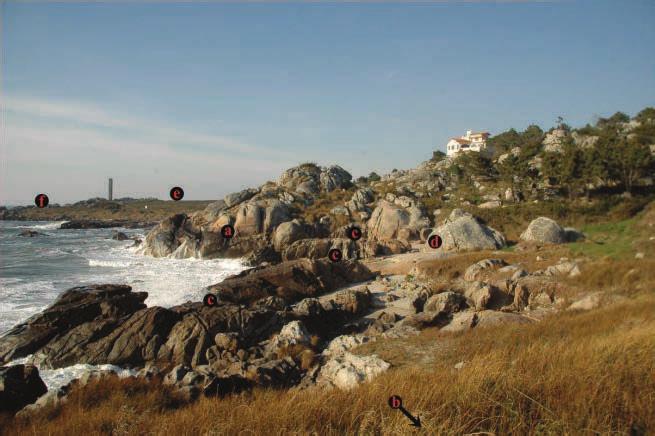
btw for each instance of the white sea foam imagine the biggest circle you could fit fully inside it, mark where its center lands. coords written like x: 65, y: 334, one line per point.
x: 110, y: 263
x: 34, y: 271
x: 49, y: 226
x: 167, y: 281
x: 57, y: 378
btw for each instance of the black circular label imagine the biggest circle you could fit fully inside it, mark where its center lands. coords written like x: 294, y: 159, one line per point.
x: 210, y: 300
x: 335, y: 255
x: 41, y: 201
x: 395, y: 402
x: 435, y: 241
x: 227, y: 231
x: 177, y: 193
x: 354, y: 233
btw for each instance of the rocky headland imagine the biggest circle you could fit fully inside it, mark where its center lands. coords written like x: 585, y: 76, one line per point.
x: 292, y: 319
x: 295, y: 318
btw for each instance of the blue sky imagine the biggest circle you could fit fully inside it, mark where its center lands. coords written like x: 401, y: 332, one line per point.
x: 217, y: 97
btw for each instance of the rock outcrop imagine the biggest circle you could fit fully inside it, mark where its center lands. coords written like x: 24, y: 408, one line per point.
x: 347, y: 370
x: 461, y: 231
x: 20, y: 385
x: 319, y: 249
x: 402, y: 221
x: 311, y: 179
x: 544, y: 230
x: 104, y: 306
x: 288, y: 233
x: 292, y: 280
x: 256, y: 215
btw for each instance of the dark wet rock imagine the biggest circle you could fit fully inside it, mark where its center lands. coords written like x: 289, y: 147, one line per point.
x: 136, y: 341
x: 104, y: 305
x: 20, y: 385
x: 93, y: 224
x: 292, y: 280
x: 31, y: 234
x: 198, y: 330
x: 119, y: 236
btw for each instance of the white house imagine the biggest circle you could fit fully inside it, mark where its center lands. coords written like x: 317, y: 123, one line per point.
x: 472, y: 141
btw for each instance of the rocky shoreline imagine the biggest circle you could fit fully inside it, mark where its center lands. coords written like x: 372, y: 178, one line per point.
x: 290, y: 321
x: 283, y: 325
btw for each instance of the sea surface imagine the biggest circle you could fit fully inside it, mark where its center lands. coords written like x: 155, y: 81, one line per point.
x: 34, y: 271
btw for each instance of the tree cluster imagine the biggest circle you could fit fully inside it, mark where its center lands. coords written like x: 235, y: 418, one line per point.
x: 620, y: 156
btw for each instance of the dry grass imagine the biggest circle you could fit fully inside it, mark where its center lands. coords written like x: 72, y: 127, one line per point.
x: 453, y: 267
x: 573, y: 373
x: 324, y: 204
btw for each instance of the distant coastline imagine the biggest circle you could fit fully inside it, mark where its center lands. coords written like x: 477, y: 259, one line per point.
x: 134, y: 210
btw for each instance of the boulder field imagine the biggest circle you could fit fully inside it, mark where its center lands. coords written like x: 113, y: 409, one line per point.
x: 270, y: 225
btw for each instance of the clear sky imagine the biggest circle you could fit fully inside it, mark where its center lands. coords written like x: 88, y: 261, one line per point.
x: 216, y: 97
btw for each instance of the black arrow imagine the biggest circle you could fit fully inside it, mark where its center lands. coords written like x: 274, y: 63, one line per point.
x: 416, y: 422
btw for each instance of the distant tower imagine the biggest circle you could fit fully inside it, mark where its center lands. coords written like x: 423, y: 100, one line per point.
x: 110, y: 195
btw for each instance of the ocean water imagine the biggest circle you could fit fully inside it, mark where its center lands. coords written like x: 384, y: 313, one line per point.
x: 34, y: 271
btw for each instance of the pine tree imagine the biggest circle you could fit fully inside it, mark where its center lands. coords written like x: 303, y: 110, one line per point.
x: 631, y: 161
